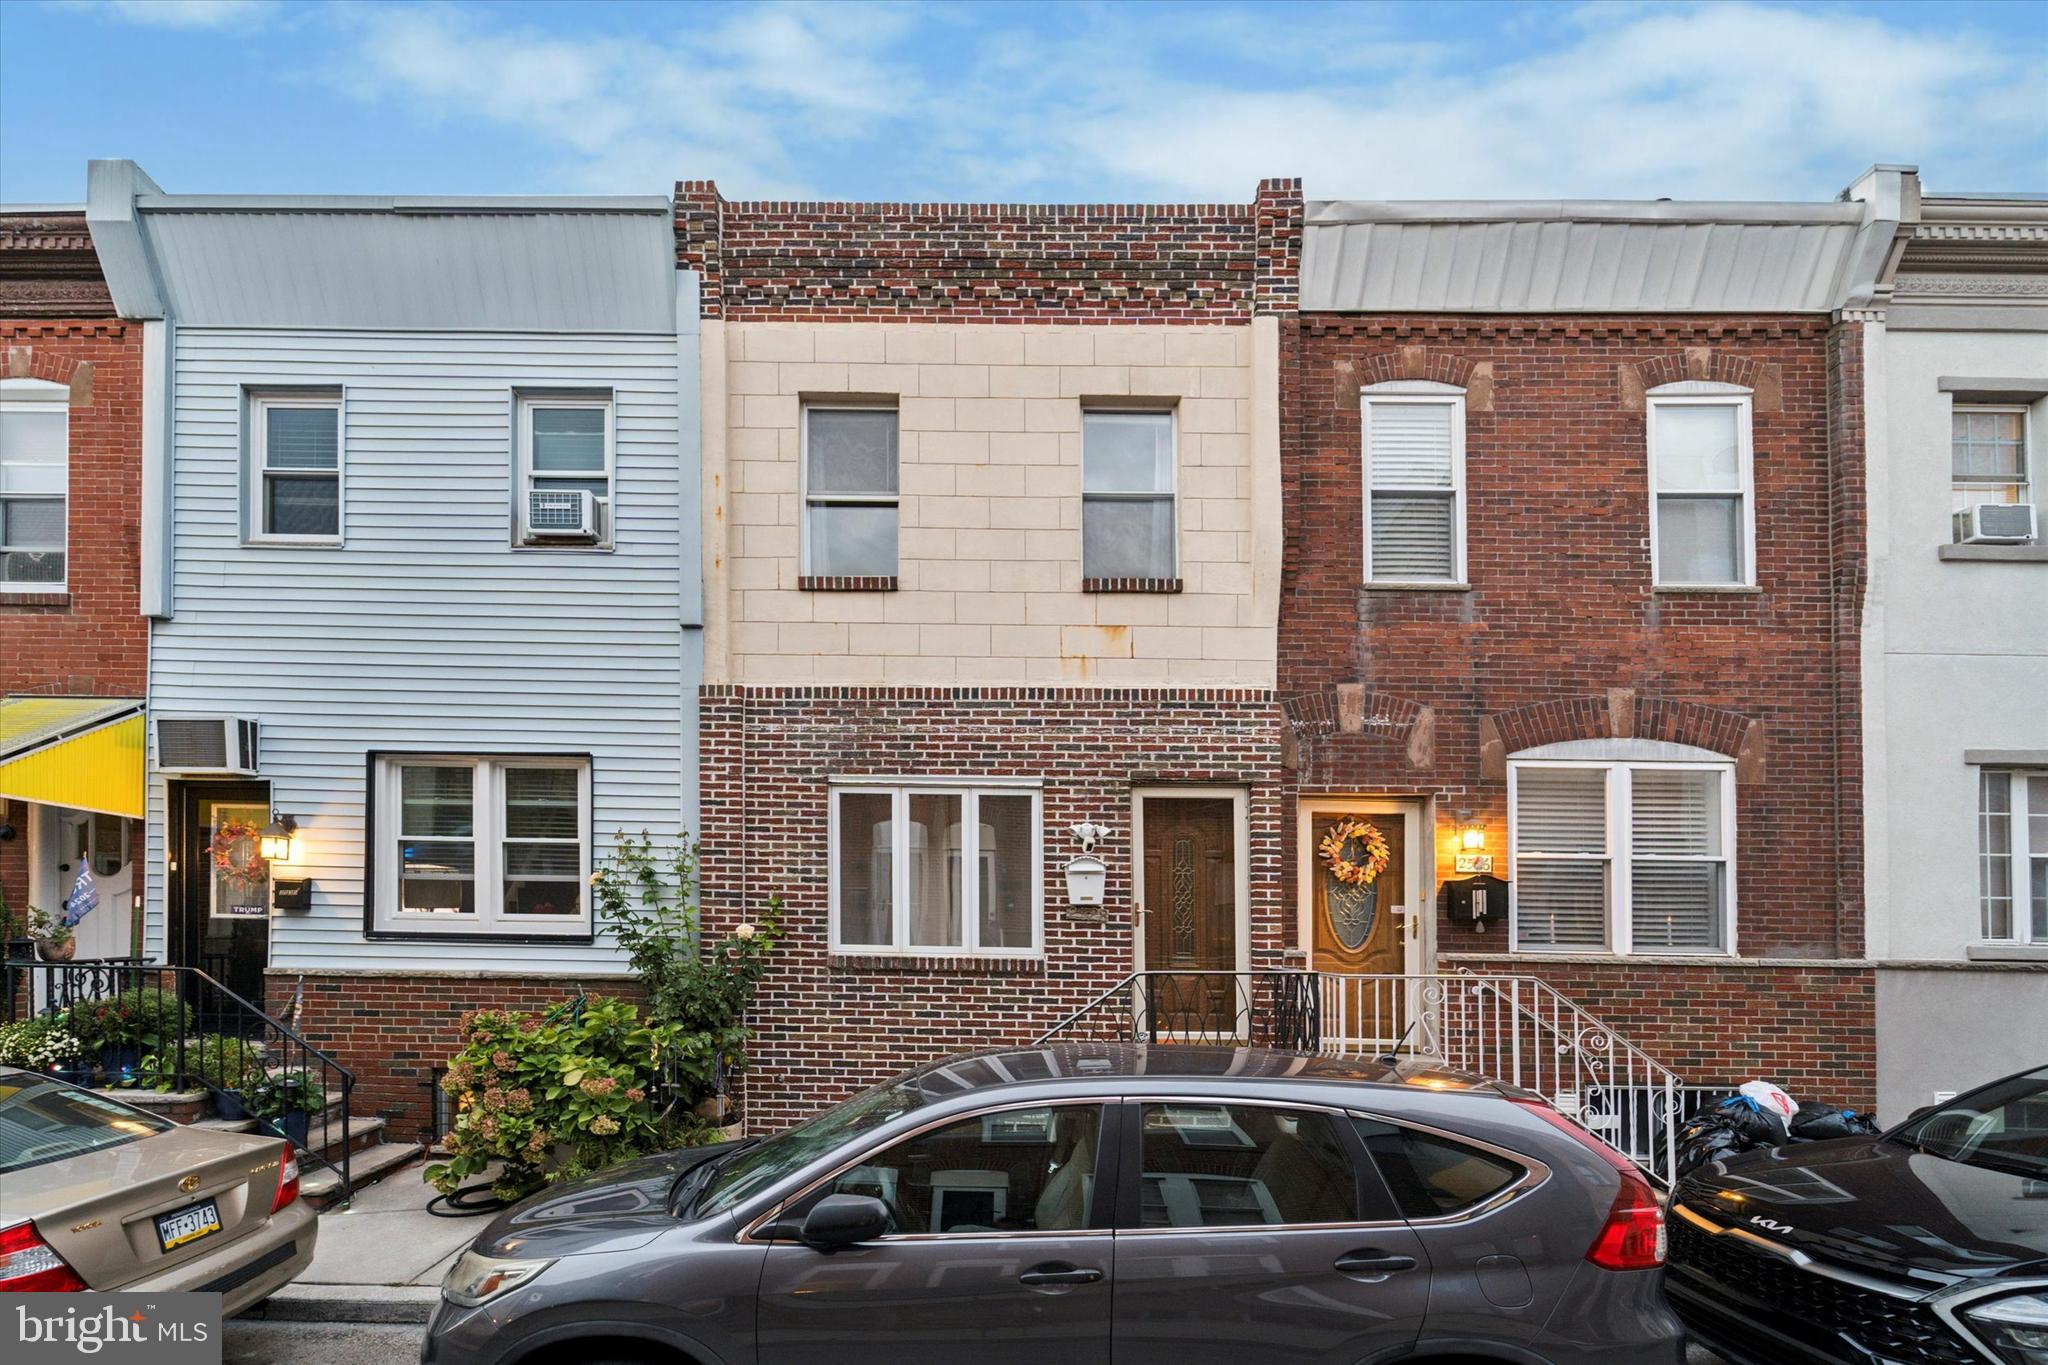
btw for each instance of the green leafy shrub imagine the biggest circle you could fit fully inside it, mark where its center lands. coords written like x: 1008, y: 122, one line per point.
x: 40, y: 1043
x: 577, y: 1078
x: 273, y: 1094
x: 217, y: 1059
x: 141, y: 1016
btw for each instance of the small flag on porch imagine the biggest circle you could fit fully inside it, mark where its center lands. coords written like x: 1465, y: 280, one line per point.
x: 83, y: 900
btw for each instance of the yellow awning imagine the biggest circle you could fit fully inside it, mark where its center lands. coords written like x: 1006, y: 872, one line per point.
x: 88, y: 753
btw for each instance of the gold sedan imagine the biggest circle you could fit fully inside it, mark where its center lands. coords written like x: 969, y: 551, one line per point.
x: 97, y: 1194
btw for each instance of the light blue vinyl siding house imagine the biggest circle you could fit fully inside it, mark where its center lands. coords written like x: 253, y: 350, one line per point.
x: 420, y: 502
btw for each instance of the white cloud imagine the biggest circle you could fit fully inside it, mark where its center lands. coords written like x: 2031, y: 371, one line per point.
x: 185, y: 13
x: 1720, y: 101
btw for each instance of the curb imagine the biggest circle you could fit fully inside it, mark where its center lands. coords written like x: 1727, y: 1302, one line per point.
x: 385, y: 1303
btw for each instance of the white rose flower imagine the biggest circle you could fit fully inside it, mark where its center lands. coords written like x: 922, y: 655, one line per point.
x: 745, y: 931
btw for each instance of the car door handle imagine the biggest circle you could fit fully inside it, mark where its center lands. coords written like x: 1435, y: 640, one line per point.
x: 1373, y: 1262
x: 1059, y: 1272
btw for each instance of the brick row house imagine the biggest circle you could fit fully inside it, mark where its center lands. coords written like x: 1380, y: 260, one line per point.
x: 991, y: 553
x: 73, y: 641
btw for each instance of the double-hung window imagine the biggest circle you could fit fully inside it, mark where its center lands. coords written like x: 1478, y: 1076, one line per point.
x: 1702, y: 503
x: 487, y: 845
x: 935, y: 869
x: 1128, y: 522
x: 1622, y: 857
x: 565, y: 468
x: 35, y: 464
x: 2012, y: 854
x: 295, y: 452
x: 849, y: 492
x: 1414, y: 453
x: 1988, y: 452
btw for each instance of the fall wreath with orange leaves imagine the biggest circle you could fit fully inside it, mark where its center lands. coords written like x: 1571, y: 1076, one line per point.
x: 237, y: 850
x: 1334, y: 851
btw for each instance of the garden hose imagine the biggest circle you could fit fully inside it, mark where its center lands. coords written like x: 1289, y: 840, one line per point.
x: 464, y: 1203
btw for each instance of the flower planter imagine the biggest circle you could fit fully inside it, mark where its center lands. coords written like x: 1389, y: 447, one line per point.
x: 56, y: 952
x: 119, y: 1060
x: 228, y: 1104
x: 293, y: 1126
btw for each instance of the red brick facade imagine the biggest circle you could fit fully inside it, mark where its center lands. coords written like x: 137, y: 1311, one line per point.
x: 1560, y: 636
x: 827, y: 1026
x: 90, y: 639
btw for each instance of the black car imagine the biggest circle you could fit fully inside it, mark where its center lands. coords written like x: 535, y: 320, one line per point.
x: 1927, y: 1245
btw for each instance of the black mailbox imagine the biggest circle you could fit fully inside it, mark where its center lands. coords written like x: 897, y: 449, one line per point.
x: 291, y: 893
x: 1477, y: 900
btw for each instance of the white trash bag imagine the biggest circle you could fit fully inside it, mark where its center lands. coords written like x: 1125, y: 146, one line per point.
x: 1772, y: 1101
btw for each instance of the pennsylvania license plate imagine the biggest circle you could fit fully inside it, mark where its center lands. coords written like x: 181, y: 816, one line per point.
x: 187, y: 1225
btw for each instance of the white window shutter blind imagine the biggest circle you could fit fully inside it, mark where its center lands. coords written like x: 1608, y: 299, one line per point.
x: 1412, y: 537
x: 1561, y: 902
x: 1561, y: 810
x: 1676, y: 876
x: 1411, y: 445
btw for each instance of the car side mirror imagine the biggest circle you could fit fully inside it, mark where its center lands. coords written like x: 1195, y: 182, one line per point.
x: 842, y: 1220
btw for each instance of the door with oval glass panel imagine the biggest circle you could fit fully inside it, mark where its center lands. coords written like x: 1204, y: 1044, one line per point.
x: 1366, y: 877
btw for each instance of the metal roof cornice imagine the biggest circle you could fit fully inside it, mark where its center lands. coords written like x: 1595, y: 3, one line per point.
x: 426, y: 204
x: 1675, y: 212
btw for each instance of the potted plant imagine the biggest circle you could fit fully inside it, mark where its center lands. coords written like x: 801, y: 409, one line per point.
x: 283, y: 1099
x: 52, y: 936
x: 123, y: 1027
x: 58, y: 1051
x: 230, y: 1067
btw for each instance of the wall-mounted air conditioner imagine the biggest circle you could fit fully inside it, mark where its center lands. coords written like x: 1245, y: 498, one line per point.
x: 560, y: 514
x: 191, y: 746
x: 1996, y: 523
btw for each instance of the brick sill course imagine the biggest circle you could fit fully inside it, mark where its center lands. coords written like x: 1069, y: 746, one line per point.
x: 1130, y: 585
x: 1395, y: 585
x: 844, y: 583
x: 955, y: 965
x: 35, y: 599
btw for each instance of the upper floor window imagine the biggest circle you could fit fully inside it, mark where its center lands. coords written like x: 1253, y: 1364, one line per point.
x: 491, y: 845
x: 295, y: 451
x: 1622, y: 856
x: 565, y: 468
x: 935, y: 869
x: 1414, y: 444
x: 35, y: 463
x: 1128, y: 521
x: 1988, y: 452
x: 2012, y: 848
x: 1702, y: 513
x: 849, y: 492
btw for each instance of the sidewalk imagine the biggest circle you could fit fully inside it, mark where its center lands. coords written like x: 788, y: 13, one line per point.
x: 379, y: 1260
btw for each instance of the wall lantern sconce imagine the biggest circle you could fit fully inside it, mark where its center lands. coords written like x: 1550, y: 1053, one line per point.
x: 275, y: 843
x: 1087, y: 875
x: 1472, y: 856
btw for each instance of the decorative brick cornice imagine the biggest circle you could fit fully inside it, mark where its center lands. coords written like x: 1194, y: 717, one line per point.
x: 48, y: 267
x: 847, y: 583
x: 1130, y: 585
x: 1774, y: 326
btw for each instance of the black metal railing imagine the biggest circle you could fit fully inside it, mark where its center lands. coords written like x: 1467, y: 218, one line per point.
x: 1273, y: 1009
x: 181, y: 1029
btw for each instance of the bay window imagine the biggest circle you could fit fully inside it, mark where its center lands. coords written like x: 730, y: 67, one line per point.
x: 481, y: 845
x: 1622, y: 856
x: 938, y: 869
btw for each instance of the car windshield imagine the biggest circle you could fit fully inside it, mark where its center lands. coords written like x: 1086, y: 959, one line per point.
x: 752, y: 1169
x: 2003, y: 1127
x: 42, y: 1120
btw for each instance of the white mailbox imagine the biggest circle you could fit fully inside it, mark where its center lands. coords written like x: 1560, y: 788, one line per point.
x: 1086, y: 877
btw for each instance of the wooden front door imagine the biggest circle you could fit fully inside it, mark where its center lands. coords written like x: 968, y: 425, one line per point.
x: 1190, y: 914
x: 1355, y: 931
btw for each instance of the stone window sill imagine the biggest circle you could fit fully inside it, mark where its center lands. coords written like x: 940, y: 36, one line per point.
x: 1385, y: 586
x: 955, y: 965
x: 1708, y: 589
x: 1130, y: 585
x: 2002, y: 554
x: 847, y: 583
x: 2007, y: 952
x: 10, y: 598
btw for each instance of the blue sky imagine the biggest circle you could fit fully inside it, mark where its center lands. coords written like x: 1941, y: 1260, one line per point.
x: 1031, y: 102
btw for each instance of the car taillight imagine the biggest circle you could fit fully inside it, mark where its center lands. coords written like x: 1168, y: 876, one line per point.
x: 1632, y: 1238
x: 29, y: 1265
x: 287, y: 1179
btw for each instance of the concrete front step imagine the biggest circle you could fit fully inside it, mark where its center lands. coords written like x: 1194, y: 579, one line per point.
x: 321, y: 1187
x: 404, y: 1303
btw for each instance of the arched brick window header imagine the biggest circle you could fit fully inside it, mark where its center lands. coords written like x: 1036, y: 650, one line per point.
x: 52, y: 367
x: 1703, y: 364
x: 1624, y: 714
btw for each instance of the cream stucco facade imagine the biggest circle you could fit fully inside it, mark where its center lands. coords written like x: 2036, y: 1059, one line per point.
x: 989, y: 579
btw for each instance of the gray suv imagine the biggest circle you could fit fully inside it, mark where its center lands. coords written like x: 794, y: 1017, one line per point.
x: 1070, y: 1204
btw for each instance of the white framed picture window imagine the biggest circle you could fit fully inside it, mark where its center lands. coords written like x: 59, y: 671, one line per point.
x: 295, y: 463
x: 566, y: 455
x: 1622, y: 857
x: 1702, y: 486
x: 1413, y: 449
x: 2012, y: 854
x: 850, y: 490
x: 492, y: 845
x: 936, y: 869
x: 35, y: 485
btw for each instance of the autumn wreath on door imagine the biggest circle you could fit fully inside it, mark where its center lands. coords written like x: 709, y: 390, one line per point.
x: 237, y: 851
x: 1355, y: 853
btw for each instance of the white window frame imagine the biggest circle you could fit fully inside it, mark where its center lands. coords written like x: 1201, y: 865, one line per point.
x: 42, y: 395
x: 2028, y: 488
x: 1171, y: 496
x: 1415, y: 393
x: 524, y: 406
x: 2020, y: 855
x: 260, y: 406
x: 900, y: 791
x: 487, y: 794
x: 1619, y: 858
x: 1701, y: 394
x: 805, y: 498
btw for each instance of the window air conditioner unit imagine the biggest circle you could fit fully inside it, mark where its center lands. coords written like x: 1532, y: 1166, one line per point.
x: 560, y: 514
x: 209, y: 745
x: 1996, y: 523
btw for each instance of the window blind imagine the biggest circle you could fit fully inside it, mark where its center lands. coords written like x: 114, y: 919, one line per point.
x: 1411, y: 445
